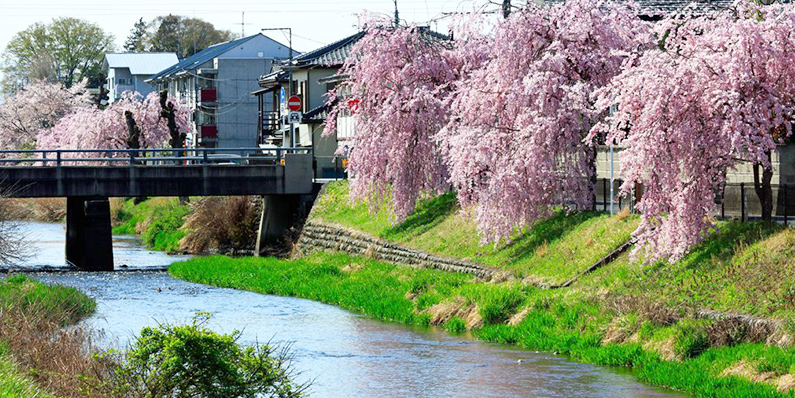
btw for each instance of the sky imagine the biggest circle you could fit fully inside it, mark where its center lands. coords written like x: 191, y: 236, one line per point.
x: 314, y: 22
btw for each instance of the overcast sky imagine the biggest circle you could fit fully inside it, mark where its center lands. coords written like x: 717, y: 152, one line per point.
x: 314, y: 22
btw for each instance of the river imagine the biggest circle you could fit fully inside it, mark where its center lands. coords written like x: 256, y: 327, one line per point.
x: 344, y: 354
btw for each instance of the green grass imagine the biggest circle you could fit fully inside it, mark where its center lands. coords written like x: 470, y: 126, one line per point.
x: 744, y: 267
x: 158, y: 220
x: 573, y: 322
x: 551, y: 251
x: 65, y: 304
x: 14, y: 384
x: 25, y: 297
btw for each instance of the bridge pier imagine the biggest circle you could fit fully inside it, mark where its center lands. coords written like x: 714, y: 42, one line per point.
x: 89, y: 244
x: 279, y: 214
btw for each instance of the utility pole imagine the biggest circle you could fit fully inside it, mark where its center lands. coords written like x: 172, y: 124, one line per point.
x: 506, y: 8
x: 397, y: 19
x: 243, y: 24
x: 289, y: 79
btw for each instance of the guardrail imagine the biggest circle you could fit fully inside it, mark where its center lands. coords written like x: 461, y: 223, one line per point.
x: 146, y: 157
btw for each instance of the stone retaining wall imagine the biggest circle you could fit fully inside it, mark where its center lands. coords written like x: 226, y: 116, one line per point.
x: 318, y: 236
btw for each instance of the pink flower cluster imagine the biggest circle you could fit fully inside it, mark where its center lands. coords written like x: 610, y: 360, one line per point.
x: 718, y: 89
x: 36, y: 107
x: 400, y: 75
x: 92, y: 128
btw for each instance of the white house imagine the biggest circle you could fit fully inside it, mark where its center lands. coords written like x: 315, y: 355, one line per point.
x: 128, y: 71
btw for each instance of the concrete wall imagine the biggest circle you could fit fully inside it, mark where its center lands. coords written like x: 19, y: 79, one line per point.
x: 316, y: 91
x: 259, y: 47
x: 237, y: 108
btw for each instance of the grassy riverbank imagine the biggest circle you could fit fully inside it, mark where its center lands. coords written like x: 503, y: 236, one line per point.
x: 552, y: 252
x: 211, y: 224
x: 579, y: 323
x: 648, y: 318
x: 157, y: 220
x: 34, y: 356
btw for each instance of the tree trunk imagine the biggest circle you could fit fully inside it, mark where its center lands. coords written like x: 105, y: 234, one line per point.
x: 133, y: 131
x: 103, y: 92
x: 591, y: 153
x: 763, y: 188
x: 177, y: 140
x: 167, y: 112
x: 133, y: 142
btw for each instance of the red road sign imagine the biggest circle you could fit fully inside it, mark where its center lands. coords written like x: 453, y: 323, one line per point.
x: 353, y: 105
x: 294, y: 103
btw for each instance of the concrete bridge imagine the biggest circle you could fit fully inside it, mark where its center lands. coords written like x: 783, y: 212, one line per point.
x: 87, y: 178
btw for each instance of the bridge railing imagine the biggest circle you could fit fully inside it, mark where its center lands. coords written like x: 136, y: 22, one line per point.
x: 147, y: 157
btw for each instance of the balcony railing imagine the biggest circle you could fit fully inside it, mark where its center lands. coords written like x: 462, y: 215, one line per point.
x: 270, y: 121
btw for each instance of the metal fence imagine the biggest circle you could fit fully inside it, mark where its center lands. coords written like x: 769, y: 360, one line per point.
x: 331, y: 168
x: 738, y: 201
x: 146, y: 157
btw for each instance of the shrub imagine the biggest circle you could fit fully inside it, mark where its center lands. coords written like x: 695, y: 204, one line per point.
x: 193, y: 361
x: 163, y: 232
x: 221, y: 224
x: 690, y: 337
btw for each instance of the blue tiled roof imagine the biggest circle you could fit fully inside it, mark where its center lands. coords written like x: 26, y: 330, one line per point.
x: 336, y: 53
x: 333, y: 54
x: 200, y: 57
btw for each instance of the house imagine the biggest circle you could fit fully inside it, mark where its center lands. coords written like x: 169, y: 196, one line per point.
x: 309, y: 76
x: 128, y: 71
x: 215, y: 84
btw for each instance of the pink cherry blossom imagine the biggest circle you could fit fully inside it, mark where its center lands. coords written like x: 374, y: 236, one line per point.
x: 37, y: 106
x: 400, y: 77
x: 91, y: 128
x: 719, y: 89
x: 515, y: 140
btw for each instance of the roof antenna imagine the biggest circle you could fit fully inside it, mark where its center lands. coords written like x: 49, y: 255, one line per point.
x: 397, y: 19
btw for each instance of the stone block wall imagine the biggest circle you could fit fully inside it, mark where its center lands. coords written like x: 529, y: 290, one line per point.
x: 320, y: 236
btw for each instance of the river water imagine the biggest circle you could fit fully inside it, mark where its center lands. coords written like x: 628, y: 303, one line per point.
x: 344, y: 354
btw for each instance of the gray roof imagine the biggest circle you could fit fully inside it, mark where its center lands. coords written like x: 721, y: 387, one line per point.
x: 661, y: 7
x: 196, y: 60
x: 336, y: 53
x: 333, y: 54
x: 141, y: 63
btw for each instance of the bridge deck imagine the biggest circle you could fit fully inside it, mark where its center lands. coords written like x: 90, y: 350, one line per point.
x: 294, y: 177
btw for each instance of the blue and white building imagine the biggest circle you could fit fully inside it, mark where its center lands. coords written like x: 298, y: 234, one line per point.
x: 128, y: 71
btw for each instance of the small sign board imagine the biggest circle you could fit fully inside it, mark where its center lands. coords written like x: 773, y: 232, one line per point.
x: 294, y: 117
x: 294, y: 103
x: 353, y: 106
